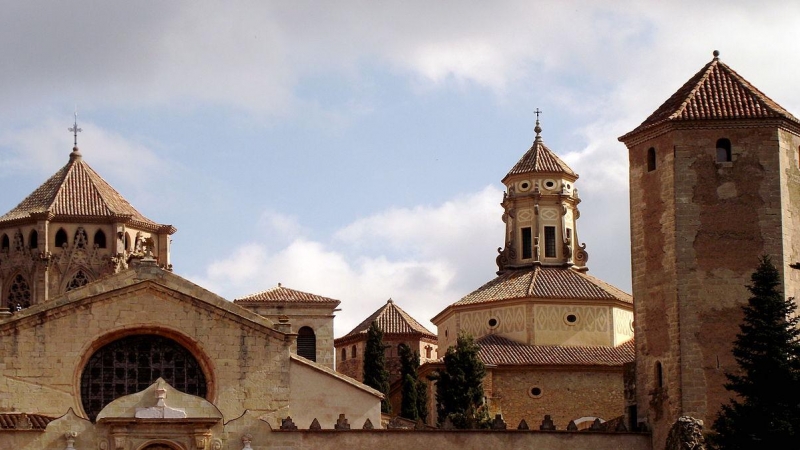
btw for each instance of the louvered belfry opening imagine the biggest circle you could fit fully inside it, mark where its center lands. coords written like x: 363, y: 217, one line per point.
x: 132, y: 364
x: 307, y: 343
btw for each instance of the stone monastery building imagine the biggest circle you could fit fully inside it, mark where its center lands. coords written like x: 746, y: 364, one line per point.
x: 103, y: 347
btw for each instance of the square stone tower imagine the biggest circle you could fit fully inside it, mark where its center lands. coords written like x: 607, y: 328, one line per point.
x: 714, y: 185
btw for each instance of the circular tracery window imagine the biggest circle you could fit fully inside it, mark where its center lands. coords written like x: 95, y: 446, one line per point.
x: 133, y: 363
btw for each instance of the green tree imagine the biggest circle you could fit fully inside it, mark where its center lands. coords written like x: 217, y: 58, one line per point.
x: 766, y: 411
x: 414, y: 391
x: 459, y: 387
x: 375, y: 373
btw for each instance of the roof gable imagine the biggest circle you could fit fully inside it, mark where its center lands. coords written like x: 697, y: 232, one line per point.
x: 281, y: 294
x: 76, y: 190
x: 392, y: 320
x: 715, y: 92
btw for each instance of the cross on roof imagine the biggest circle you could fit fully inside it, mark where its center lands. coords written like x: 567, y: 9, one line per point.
x: 74, y: 129
x: 537, y: 112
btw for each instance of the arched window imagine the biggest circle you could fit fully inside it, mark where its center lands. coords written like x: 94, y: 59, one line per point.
x: 353, y: 352
x: 81, y: 239
x: 659, y: 375
x: 724, y: 150
x: 33, y: 239
x: 344, y: 354
x: 100, y: 239
x: 61, y: 238
x: 5, y: 244
x: 127, y: 241
x: 78, y: 280
x: 307, y: 343
x: 133, y: 363
x: 428, y: 350
x: 19, y: 294
x: 651, y: 159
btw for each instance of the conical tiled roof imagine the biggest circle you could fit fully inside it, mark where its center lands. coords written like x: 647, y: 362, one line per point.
x: 500, y: 351
x: 280, y: 294
x: 715, y: 92
x: 540, y: 159
x: 392, y: 320
x: 77, y: 192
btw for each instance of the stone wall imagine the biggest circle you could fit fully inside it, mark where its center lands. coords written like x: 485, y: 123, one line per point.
x: 564, y: 395
x: 698, y: 228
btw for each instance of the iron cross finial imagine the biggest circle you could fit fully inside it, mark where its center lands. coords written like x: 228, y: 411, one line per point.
x: 74, y: 129
x: 537, y: 112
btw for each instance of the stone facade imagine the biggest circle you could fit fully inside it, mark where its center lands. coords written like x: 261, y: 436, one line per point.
x: 700, y: 220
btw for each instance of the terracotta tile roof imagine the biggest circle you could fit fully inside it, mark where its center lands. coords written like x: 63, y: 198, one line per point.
x: 280, y: 294
x: 500, y: 351
x: 540, y: 159
x: 22, y: 421
x: 392, y: 320
x: 76, y: 190
x: 715, y: 92
x: 545, y: 283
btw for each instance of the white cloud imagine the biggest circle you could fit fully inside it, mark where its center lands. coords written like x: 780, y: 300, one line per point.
x: 424, y: 258
x: 41, y: 149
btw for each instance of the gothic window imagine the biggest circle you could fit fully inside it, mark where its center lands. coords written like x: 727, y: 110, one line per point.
x: 6, y: 244
x: 133, y: 363
x: 723, y: 150
x: 19, y: 294
x: 659, y: 375
x: 78, y: 280
x: 353, y: 352
x: 307, y: 343
x: 19, y: 241
x: 33, y: 239
x: 550, y: 242
x: 651, y: 159
x: 80, y: 238
x: 100, y: 239
x: 61, y: 238
x: 527, y: 248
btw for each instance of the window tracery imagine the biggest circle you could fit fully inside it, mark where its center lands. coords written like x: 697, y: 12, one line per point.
x: 19, y: 294
x: 132, y: 364
x: 81, y: 240
x: 78, y: 280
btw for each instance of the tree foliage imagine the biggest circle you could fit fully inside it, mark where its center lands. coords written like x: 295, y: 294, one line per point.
x: 414, y: 403
x: 766, y: 411
x: 459, y: 387
x: 375, y: 373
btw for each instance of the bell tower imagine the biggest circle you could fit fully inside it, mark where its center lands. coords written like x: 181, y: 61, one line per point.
x: 541, y: 212
x: 714, y: 185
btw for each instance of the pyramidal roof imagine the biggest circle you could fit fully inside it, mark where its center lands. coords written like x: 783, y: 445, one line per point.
x: 715, y: 92
x: 280, y: 294
x: 392, y: 320
x: 540, y: 159
x: 76, y: 191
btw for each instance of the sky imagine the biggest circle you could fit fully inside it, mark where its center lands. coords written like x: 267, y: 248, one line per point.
x: 355, y: 149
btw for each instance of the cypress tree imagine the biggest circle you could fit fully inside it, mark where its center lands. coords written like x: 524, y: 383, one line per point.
x: 459, y: 387
x: 414, y: 403
x: 766, y: 411
x: 375, y: 373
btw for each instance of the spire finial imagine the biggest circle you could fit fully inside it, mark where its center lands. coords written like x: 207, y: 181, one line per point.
x: 716, y: 54
x: 537, y: 128
x: 75, y: 130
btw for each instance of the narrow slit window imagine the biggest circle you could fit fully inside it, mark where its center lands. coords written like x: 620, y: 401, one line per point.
x: 651, y: 159
x: 527, y: 249
x: 550, y: 242
x: 353, y: 352
x: 6, y: 243
x: 724, y: 150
